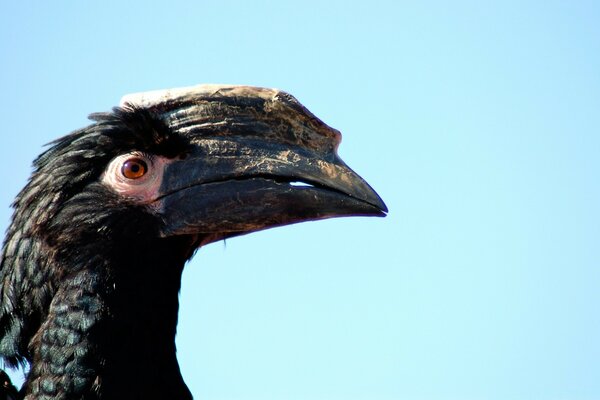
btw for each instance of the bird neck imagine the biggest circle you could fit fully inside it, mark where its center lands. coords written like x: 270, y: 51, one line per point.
x: 110, y: 332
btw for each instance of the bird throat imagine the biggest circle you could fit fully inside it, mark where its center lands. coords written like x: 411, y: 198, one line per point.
x: 112, y: 325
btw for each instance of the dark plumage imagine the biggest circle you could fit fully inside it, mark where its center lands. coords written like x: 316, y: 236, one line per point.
x: 92, y: 261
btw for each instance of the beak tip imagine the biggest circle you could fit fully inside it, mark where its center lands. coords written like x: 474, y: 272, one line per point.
x: 379, y: 203
x: 383, y: 210
x: 376, y: 201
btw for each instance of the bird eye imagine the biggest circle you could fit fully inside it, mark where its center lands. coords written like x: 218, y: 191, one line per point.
x: 134, y: 168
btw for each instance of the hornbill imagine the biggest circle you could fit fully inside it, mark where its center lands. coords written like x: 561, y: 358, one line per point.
x: 92, y: 260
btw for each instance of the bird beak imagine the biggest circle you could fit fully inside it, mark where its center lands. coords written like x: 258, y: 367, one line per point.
x: 226, y: 187
x: 271, y: 163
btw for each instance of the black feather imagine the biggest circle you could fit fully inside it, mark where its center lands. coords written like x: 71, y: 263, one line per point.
x: 69, y: 259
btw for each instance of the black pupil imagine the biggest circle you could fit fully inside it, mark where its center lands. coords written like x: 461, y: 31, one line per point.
x: 135, y: 168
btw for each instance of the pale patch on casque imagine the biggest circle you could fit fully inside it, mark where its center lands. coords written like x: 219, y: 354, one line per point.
x: 155, y: 97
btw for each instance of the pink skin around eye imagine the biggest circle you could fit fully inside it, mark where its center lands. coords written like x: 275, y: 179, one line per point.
x: 143, y: 190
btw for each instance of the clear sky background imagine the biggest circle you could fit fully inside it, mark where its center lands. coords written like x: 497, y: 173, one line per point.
x: 477, y: 122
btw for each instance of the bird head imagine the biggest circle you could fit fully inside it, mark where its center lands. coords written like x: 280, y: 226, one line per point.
x: 212, y: 161
x: 185, y: 166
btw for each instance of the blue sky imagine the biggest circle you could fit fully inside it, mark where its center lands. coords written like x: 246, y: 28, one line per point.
x: 477, y: 122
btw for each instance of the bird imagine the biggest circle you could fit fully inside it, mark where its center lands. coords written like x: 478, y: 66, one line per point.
x: 92, y: 260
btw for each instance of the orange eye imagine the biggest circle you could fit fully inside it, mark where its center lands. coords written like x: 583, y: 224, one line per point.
x: 134, y: 168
